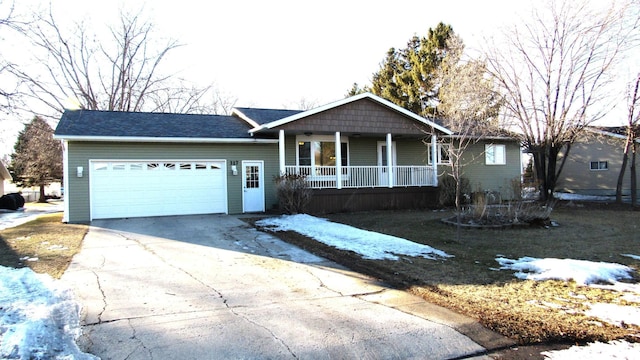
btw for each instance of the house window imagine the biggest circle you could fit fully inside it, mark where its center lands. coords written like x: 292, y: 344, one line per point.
x: 320, y: 151
x: 495, y: 154
x: 599, y: 165
x: 443, y: 154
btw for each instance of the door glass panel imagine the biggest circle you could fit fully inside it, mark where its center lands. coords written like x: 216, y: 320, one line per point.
x: 304, y: 153
x: 252, y: 177
x: 383, y: 155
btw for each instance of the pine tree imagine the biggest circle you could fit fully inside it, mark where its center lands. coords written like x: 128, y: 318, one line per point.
x: 408, y: 77
x: 37, y: 157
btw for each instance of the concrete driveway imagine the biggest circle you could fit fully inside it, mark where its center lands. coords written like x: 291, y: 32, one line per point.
x: 209, y: 287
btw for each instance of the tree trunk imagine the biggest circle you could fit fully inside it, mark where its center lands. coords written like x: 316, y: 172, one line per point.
x: 42, y: 198
x: 625, y: 159
x: 539, y: 167
x: 634, y: 186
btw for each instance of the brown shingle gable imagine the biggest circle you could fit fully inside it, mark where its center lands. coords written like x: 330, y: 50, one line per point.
x: 362, y: 116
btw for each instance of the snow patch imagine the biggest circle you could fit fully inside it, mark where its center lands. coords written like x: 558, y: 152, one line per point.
x: 582, y: 272
x: 369, y: 244
x: 595, y: 351
x: 38, y: 318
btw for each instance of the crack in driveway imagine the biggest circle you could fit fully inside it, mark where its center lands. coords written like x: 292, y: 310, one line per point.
x: 104, y: 297
x: 134, y: 336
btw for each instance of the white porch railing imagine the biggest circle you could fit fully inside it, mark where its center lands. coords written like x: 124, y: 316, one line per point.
x: 324, y: 177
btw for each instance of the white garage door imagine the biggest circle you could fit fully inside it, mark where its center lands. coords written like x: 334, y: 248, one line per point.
x: 157, y: 188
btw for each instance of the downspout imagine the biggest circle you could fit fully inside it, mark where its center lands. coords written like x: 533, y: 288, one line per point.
x: 65, y: 180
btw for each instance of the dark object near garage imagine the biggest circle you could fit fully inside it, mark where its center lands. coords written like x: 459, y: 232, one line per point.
x: 11, y: 201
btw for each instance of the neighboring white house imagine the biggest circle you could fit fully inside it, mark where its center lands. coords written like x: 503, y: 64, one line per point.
x: 4, y: 175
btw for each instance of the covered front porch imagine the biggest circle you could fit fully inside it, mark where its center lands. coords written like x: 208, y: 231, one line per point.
x: 356, y: 161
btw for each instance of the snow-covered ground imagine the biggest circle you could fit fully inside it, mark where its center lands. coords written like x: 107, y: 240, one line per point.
x: 30, y: 211
x: 39, y: 318
x: 373, y: 245
x: 370, y: 245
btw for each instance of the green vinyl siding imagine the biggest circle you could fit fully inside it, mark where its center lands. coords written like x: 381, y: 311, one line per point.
x: 411, y: 152
x: 483, y: 177
x: 363, y: 151
x: 80, y: 153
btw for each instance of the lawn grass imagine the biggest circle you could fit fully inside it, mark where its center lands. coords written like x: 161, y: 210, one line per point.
x: 528, y: 311
x: 46, y: 245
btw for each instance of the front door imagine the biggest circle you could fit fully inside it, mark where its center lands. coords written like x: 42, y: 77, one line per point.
x: 383, y: 170
x: 252, y: 186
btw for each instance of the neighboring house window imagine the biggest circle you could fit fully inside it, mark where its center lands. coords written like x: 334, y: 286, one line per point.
x: 320, y: 151
x: 443, y: 154
x: 495, y: 154
x: 599, y: 165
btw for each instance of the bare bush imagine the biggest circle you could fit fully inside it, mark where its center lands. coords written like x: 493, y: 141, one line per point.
x: 447, y: 195
x: 293, y: 193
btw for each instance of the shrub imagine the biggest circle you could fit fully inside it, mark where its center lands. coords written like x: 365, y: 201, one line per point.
x: 448, y: 190
x: 293, y: 193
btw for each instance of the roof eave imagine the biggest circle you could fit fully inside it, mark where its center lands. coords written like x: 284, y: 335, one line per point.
x: 244, y: 117
x: 164, y: 139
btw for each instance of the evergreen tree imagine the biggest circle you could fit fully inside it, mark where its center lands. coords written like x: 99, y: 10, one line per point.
x: 408, y: 77
x: 37, y: 157
x: 356, y: 90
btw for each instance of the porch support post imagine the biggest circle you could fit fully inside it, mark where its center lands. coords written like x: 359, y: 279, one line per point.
x: 338, y: 161
x: 434, y: 157
x: 281, y: 152
x: 389, y: 160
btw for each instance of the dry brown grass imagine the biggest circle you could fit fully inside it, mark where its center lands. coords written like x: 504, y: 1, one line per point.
x: 527, y: 311
x: 46, y: 239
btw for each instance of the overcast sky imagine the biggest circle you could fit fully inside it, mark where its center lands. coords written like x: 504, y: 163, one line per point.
x: 276, y: 53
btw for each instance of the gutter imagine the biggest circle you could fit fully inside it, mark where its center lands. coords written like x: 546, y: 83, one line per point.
x: 145, y: 139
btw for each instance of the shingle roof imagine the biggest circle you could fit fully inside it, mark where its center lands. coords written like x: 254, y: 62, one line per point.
x: 264, y: 116
x: 138, y: 124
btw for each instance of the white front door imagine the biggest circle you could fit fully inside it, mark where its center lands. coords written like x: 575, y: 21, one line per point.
x: 382, y: 161
x: 252, y: 186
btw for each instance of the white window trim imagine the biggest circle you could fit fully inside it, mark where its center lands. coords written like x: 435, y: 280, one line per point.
x: 599, y: 162
x: 502, y: 161
x: 440, y: 161
x: 321, y: 138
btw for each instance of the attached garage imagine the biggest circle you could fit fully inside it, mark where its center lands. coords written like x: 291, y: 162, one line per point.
x: 124, y: 188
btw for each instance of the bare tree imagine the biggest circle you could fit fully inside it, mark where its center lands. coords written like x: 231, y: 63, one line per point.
x: 11, y: 22
x: 302, y: 104
x: 630, y: 145
x: 184, y: 97
x: 553, y: 71
x: 119, y: 73
x: 469, y: 103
